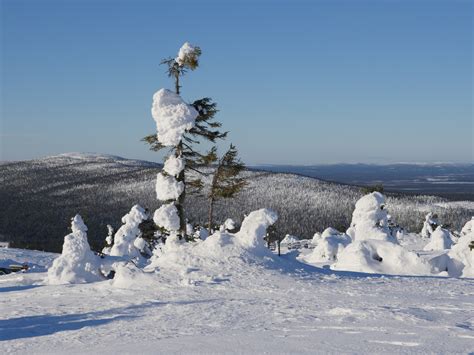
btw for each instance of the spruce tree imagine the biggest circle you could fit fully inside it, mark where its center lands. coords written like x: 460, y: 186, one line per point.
x: 204, y: 129
x: 226, y: 180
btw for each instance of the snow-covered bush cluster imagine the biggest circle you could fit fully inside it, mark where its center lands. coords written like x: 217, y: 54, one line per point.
x: 369, y: 245
x: 78, y: 263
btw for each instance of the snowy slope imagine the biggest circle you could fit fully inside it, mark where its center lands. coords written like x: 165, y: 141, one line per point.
x: 256, y: 305
x: 40, y: 196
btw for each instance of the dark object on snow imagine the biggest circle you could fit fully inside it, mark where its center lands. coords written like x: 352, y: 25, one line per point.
x: 13, y: 268
x: 471, y: 245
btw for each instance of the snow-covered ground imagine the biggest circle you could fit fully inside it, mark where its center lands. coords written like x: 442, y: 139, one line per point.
x: 245, y: 305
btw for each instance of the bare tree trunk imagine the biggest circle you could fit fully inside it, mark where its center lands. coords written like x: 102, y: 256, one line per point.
x: 176, y: 83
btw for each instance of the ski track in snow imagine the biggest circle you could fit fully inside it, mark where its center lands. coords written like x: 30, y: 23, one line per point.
x: 275, y: 307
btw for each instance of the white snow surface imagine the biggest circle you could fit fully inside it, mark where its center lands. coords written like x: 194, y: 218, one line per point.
x: 237, y: 305
x: 173, y: 165
x: 124, y: 239
x: 167, y: 217
x: 77, y: 263
x: 168, y: 188
x: 173, y: 117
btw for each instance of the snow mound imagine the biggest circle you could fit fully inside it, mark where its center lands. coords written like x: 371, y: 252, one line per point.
x: 128, y: 275
x: 440, y: 240
x: 173, y: 165
x: 316, y: 238
x: 173, y: 117
x: 168, y: 188
x: 167, y: 217
x: 330, y: 244
x: 77, y: 263
x: 380, y: 257
x: 125, y: 237
x: 369, y: 219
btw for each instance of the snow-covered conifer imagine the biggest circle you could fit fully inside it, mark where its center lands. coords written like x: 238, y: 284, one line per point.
x: 369, y: 219
x: 429, y: 225
x: 109, y: 240
x: 180, y: 126
x: 77, y: 263
x: 124, y: 239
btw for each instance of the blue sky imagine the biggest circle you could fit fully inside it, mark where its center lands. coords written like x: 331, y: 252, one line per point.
x: 297, y: 82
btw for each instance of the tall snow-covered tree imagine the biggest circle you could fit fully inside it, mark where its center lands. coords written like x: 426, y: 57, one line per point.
x: 180, y: 128
x: 226, y: 180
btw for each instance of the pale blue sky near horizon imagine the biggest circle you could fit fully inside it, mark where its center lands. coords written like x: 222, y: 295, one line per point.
x: 296, y: 82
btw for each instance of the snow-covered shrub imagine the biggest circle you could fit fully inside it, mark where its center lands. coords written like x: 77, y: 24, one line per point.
x: 330, y: 244
x: 461, y: 263
x: 77, y: 263
x: 369, y: 219
x: 228, y: 225
x: 440, y: 239
x: 382, y: 257
x: 109, y: 240
x: 429, y: 225
x: 254, y: 228
x: 125, y: 237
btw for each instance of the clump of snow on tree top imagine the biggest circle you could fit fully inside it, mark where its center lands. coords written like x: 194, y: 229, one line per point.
x: 187, y: 54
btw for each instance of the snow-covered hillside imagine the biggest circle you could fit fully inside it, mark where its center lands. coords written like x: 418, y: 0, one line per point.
x: 252, y: 305
x: 40, y: 196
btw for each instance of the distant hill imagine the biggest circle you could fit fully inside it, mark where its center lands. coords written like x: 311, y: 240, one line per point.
x: 452, y: 181
x: 38, y: 198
